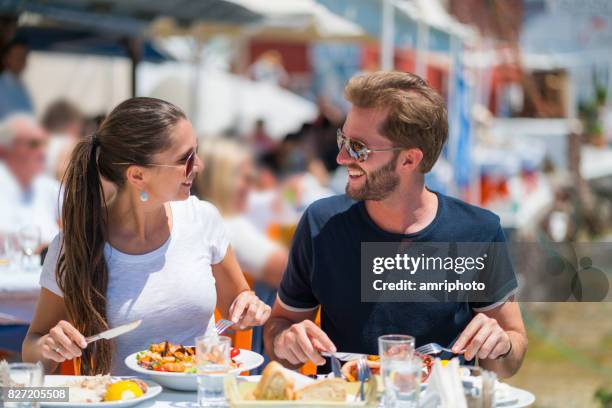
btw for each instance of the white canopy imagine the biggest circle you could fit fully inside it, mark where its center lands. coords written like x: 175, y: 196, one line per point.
x: 227, y: 101
x: 310, y: 19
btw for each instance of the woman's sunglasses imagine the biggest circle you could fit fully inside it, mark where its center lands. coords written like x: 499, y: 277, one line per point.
x: 189, y: 164
x: 356, y: 149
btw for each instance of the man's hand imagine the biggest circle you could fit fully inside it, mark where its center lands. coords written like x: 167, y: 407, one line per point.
x: 483, y: 337
x: 303, y: 342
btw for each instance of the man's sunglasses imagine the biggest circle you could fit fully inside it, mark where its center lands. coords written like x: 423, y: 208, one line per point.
x: 189, y: 164
x: 356, y: 149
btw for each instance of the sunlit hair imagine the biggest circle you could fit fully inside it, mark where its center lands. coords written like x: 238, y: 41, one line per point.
x: 132, y: 133
x: 218, y: 182
x: 416, y: 114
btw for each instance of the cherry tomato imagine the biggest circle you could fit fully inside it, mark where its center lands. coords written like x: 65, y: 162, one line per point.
x: 235, y: 351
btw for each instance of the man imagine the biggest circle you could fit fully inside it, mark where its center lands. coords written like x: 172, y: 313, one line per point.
x: 14, y: 96
x: 28, y: 196
x: 395, y: 132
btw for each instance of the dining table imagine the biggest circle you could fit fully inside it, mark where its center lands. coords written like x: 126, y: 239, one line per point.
x: 188, y: 399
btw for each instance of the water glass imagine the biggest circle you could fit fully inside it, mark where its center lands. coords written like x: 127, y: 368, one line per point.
x: 400, y: 371
x: 30, y: 239
x: 478, y: 387
x: 9, y: 251
x: 213, y: 365
x: 21, y: 375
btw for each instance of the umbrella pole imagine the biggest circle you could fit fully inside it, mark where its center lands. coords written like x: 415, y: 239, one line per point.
x: 134, y: 50
x: 387, y: 37
x: 194, y: 103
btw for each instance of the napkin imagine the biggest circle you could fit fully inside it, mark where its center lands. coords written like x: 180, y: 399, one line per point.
x: 444, y: 389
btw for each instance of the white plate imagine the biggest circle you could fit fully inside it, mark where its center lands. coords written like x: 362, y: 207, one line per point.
x: 188, y: 381
x: 59, y: 380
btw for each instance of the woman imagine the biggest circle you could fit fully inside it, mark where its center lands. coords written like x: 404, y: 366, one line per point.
x: 152, y: 253
x: 227, y: 183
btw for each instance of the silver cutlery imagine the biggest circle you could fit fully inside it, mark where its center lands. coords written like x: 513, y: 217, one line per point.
x: 112, y: 333
x: 344, y: 356
x: 336, y: 368
x: 435, y: 348
x: 363, y: 374
x: 222, y: 325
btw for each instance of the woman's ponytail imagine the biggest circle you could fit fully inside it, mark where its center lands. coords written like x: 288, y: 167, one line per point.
x: 84, y: 236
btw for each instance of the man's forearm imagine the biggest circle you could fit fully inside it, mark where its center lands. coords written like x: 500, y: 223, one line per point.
x: 273, y: 328
x: 509, y: 365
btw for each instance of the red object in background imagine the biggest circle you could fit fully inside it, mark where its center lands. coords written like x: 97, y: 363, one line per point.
x: 493, y: 188
x: 295, y: 55
x: 502, y: 75
x: 405, y: 60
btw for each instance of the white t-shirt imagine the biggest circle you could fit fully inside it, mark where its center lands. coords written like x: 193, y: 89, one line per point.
x: 38, y: 205
x: 171, y: 289
x: 252, y: 248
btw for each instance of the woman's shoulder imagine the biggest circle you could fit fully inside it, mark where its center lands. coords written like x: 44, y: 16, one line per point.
x: 194, y: 210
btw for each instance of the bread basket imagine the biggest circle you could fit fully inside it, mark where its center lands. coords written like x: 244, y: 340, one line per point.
x: 237, y: 390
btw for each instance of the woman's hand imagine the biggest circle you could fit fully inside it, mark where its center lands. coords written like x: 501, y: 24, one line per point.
x: 63, y: 342
x: 248, y: 310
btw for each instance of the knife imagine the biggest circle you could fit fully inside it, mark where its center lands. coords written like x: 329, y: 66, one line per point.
x: 112, y: 333
x: 343, y: 356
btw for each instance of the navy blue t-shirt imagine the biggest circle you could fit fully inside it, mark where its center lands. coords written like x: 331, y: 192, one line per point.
x: 324, y: 269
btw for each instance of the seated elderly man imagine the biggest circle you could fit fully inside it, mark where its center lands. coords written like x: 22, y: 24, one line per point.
x: 28, y: 196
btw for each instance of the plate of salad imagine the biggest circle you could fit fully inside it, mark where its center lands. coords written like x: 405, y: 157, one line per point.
x: 174, y: 365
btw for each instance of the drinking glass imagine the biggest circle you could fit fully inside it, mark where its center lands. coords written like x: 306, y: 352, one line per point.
x: 478, y: 387
x: 29, y: 239
x: 22, y: 375
x: 9, y: 251
x: 212, y: 364
x: 400, y: 371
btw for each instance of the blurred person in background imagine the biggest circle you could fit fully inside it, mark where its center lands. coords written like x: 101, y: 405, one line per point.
x: 269, y: 67
x: 29, y: 197
x: 64, y: 122
x: 260, y: 141
x: 14, y: 96
x: 227, y: 182
x: 153, y: 253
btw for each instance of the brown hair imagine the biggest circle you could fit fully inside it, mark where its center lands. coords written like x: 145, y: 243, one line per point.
x: 61, y: 114
x: 132, y: 133
x: 416, y: 114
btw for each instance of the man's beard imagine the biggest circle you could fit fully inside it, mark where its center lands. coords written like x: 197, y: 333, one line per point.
x: 379, y: 184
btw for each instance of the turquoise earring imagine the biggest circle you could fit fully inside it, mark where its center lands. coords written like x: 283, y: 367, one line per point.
x: 144, y: 196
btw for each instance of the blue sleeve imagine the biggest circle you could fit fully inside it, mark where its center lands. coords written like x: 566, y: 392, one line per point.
x: 499, y: 277
x: 295, y: 291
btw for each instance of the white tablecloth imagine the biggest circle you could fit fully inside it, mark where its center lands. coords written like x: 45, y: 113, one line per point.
x: 18, y: 295
x: 177, y: 399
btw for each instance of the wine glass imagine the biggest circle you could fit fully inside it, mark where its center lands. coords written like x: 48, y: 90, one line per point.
x: 29, y: 240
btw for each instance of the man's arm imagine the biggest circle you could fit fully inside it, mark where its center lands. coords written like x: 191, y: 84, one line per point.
x: 292, y: 337
x: 497, y: 337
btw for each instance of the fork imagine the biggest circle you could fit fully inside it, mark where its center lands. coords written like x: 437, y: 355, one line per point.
x: 435, y: 348
x: 335, y: 365
x: 222, y: 325
x: 363, y: 374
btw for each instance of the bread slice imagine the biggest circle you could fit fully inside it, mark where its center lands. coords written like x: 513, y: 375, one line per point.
x: 329, y: 389
x: 275, y: 384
